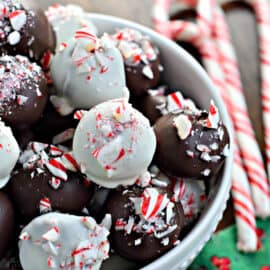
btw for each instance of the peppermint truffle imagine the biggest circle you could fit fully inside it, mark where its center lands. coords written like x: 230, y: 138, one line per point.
x: 155, y: 104
x: 66, y: 20
x: 24, y: 31
x: 93, y: 73
x: 191, y: 145
x: 142, y: 60
x: 23, y: 91
x: 53, y: 127
x: 50, y: 175
x: 62, y: 241
x: 114, y: 144
x: 145, y: 223
x: 7, y: 223
x: 9, y: 153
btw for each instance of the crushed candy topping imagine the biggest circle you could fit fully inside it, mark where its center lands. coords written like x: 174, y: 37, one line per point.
x: 14, y: 18
x: 17, y: 74
x: 39, y: 156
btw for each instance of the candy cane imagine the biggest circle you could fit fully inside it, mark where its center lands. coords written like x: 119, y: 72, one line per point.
x: 252, y: 158
x: 247, y: 238
x: 262, y: 11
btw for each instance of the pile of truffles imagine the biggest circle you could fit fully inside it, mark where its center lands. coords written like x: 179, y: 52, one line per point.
x: 83, y: 174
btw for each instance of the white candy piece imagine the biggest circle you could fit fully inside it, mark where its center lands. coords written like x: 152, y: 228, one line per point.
x: 91, y: 76
x: 66, y: 20
x: 114, y: 144
x: 52, y: 243
x: 9, y: 153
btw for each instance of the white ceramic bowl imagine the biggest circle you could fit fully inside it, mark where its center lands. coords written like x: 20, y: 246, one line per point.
x: 182, y: 72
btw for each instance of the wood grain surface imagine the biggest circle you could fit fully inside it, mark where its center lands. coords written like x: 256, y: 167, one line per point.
x: 244, y: 33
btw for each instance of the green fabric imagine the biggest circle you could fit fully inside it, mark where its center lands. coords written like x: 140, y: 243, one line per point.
x: 223, y: 246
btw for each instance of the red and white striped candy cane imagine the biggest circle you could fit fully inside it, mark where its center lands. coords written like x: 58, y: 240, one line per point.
x: 249, y: 148
x: 262, y: 11
x: 243, y: 207
x: 247, y: 237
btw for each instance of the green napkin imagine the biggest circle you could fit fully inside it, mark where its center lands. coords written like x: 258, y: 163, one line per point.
x: 221, y: 253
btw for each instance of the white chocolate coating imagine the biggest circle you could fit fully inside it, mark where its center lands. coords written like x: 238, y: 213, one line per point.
x: 87, y: 77
x: 66, y: 20
x: 114, y: 144
x: 9, y: 153
x: 62, y: 241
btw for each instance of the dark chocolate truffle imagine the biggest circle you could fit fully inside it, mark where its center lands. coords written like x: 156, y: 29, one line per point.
x: 47, y: 180
x: 151, y: 106
x: 141, y: 58
x: 155, y: 103
x: 7, y: 223
x: 96, y: 205
x: 53, y: 127
x: 145, y: 223
x: 191, y: 145
x: 23, y: 91
x: 24, y: 32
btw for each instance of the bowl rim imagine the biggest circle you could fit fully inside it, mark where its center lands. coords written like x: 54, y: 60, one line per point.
x: 223, y: 191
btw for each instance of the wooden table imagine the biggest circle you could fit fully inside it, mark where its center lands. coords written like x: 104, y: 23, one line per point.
x: 244, y: 36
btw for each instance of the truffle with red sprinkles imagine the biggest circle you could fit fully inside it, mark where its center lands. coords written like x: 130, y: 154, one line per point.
x: 62, y: 241
x: 47, y: 180
x: 156, y: 103
x: 145, y: 222
x: 24, y: 31
x: 7, y: 224
x: 142, y: 60
x: 93, y: 73
x: 191, y: 144
x: 114, y: 144
x: 23, y: 91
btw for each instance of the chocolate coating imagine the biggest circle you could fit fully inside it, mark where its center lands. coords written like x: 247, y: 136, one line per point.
x: 120, y: 207
x: 7, y: 224
x: 23, y: 91
x: 26, y: 193
x: 149, y: 107
x: 137, y: 82
x: 32, y: 36
x: 181, y: 157
x: 96, y: 205
x: 141, y: 58
x: 52, y: 123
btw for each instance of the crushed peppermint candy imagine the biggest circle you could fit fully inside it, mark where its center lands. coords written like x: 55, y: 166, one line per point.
x: 13, y: 20
x: 45, y: 205
x: 19, y: 80
x: 213, y: 116
x: 136, y: 48
x: 61, y: 250
x: 151, y: 213
x: 40, y: 158
x: 183, y: 126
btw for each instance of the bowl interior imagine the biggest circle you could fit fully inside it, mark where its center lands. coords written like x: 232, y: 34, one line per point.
x: 183, y: 73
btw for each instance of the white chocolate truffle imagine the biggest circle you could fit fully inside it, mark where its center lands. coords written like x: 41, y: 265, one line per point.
x: 114, y: 144
x: 9, y: 153
x: 62, y: 241
x: 66, y: 20
x: 88, y: 71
